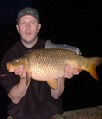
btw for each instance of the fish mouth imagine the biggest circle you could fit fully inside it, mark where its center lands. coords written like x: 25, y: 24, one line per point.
x: 10, y: 68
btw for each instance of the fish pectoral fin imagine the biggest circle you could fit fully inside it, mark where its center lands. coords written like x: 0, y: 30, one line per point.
x: 53, y: 83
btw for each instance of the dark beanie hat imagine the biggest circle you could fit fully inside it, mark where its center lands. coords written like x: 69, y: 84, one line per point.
x: 28, y: 11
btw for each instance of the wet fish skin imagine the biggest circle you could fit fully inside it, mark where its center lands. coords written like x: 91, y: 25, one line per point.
x: 48, y: 64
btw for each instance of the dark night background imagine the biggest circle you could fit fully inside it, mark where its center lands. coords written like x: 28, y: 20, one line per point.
x: 68, y: 22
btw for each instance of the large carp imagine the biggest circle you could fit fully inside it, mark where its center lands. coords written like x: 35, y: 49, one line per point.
x: 48, y: 64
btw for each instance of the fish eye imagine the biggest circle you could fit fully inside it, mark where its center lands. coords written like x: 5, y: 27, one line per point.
x: 17, y: 60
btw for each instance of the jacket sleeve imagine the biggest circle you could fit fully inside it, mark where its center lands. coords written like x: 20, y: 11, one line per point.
x: 8, y: 80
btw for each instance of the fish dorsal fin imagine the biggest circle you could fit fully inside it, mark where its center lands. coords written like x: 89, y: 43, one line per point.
x: 53, y: 83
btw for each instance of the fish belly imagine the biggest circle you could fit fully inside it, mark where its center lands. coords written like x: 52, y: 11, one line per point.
x: 45, y: 71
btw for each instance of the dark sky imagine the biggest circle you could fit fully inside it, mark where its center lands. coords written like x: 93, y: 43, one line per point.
x: 10, y: 8
x: 86, y: 10
x: 80, y: 21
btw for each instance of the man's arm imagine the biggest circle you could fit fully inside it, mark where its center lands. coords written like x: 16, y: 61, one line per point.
x: 19, y: 90
x: 57, y: 93
x: 69, y: 73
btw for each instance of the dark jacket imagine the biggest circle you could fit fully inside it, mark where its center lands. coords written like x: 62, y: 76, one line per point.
x: 37, y: 103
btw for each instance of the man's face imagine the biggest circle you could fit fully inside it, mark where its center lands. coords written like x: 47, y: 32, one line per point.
x: 28, y: 28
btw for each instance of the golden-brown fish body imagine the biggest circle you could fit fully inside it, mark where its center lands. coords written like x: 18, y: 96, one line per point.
x: 49, y: 64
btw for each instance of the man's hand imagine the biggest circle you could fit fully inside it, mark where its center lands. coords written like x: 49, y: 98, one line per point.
x: 24, y: 75
x: 19, y: 90
x: 71, y: 71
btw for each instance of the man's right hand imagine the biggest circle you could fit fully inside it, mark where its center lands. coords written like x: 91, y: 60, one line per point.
x: 71, y: 71
x: 24, y: 75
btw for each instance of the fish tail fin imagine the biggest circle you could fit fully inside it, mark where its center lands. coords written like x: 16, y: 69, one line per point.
x: 94, y: 73
x: 94, y: 62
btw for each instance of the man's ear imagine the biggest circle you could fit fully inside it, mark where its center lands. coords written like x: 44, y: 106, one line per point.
x: 39, y: 27
x: 17, y: 27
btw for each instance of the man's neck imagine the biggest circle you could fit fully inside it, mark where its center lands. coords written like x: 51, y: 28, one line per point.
x: 31, y: 44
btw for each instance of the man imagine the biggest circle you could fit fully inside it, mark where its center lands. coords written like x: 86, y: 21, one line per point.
x: 36, y: 100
